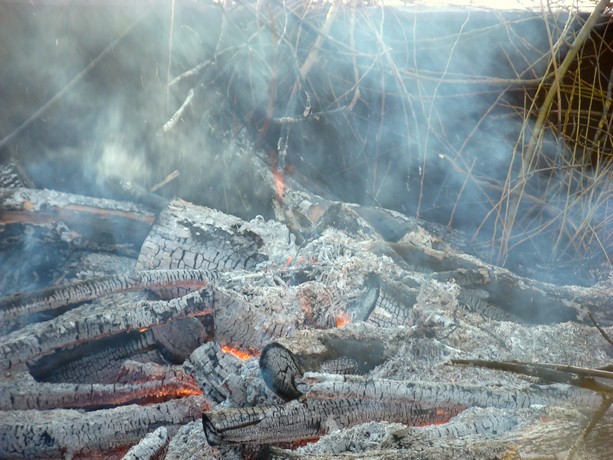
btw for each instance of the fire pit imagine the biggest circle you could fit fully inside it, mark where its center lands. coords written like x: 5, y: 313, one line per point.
x: 297, y: 321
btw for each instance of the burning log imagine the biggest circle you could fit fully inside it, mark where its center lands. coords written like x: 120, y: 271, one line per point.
x: 63, y: 432
x: 226, y: 378
x: 89, y: 222
x: 41, y: 231
x: 420, y: 246
x: 310, y: 419
x: 41, y: 396
x: 483, y: 433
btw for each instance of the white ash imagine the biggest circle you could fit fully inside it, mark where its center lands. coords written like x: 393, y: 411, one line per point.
x: 190, y: 442
x: 361, y: 438
x: 150, y: 447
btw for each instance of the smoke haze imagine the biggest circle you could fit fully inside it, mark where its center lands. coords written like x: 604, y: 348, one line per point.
x: 406, y: 109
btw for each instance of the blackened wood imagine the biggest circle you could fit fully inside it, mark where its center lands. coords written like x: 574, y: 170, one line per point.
x: 280, y: 371
x: 531, y: 300
x: 177, y: 339
x: 17, y: 309
x: 386, y: 305
x: 130, y: 191
x: 535, y: 301
x: 224, y: 378
x: 592, y: 379
x: 395, y: 441
x: 64, y: 432
x: 248, y: 320
x: 310, y: 419
x: 93, y: 361
x: 431, y: 248
x: 284, y: 361
x: 138, y: 372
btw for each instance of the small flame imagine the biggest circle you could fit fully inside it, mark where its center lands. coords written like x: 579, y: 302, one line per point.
x: 240, y: 354
x: 143, y: 329
x: 279, y: 184
x: 343, y: 319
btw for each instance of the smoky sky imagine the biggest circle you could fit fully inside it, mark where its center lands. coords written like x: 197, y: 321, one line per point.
x: 404, y: 108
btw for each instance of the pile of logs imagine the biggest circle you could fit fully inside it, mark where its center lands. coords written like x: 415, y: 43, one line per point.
x: 150, y: 329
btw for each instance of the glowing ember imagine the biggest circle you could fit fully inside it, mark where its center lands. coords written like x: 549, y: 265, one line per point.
x: 240, y: 354
x: 343, y: 319
x: 172, y: 392
x: 279, y: 185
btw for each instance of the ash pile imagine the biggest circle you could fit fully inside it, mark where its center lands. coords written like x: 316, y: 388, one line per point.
x: 137, y: 324
x: 227, y: 338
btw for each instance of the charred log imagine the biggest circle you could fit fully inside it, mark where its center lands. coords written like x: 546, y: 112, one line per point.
x: 354, y: 349
x: 310, y: 419
x: 193, y: 237
x: 104, y: 360
x: 328, y: 386
x: 90, y: 323
x: 42, y: 396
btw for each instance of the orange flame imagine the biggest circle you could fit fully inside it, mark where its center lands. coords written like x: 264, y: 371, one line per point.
x: 343, y: 319
x: 240, y: 354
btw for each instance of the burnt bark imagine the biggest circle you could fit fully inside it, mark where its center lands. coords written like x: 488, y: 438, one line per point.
x: 186, y: 236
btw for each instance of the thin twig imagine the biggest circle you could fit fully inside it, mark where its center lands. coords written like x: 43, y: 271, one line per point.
x: 598, y: 415
x: 579, y: 377
x: 170, y: 34
x: 600, y: 329
x: 175, y: 118
x: 172, y: 176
